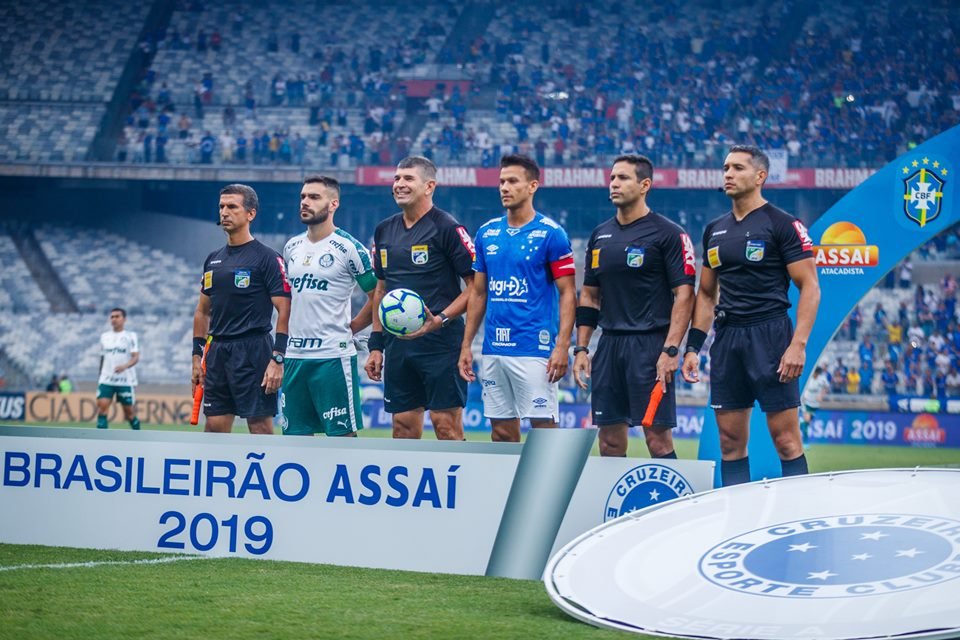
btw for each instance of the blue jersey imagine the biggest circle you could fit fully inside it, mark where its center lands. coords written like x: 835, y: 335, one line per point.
x: 521, y: 264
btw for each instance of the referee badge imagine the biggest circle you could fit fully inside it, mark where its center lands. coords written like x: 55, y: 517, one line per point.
x: 713, y: 257
x: 755, y: 250
x: 634, y: 257
x: 420, y: 254
x: 241, y: 279
x: 383, y: 258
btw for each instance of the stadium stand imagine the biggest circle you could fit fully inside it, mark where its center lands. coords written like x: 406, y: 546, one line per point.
x: 18, y: 293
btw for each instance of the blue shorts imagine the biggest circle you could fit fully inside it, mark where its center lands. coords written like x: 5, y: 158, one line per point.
x: 743, y: 367
x: 624, y: 372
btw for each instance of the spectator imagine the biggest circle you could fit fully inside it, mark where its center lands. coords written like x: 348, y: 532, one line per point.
x: 853, y: 381
x: 952, y: 383
x: 65, y: 384
x: 54, y: 384
x: 890, y: 379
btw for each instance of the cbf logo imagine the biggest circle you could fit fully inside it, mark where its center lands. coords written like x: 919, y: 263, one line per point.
x: 838, y: 557
x: 642, y: 487
x: 923, y: 183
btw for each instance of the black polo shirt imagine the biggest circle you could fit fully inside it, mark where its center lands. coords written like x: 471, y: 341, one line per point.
x: 241, y: 281
x: 637, y: 266
x: 750, y: 258
x: 430, y: 257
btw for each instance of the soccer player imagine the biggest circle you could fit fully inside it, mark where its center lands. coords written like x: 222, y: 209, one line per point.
x: 424, y: 249
x: 119, y: 354
x: 638, y: 288
x: 750, y: 255
x: 243, y: 282
x: 522, y: 260
x: 321, y: 386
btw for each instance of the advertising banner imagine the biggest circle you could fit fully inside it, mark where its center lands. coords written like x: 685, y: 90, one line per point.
x: 12, y: 406
x: 596, y: 177
x: 481, y: 508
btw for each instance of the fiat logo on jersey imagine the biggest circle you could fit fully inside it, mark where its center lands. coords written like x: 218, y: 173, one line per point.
x: 643, y: 486
x: 843, y: 250
x: 837, y: 556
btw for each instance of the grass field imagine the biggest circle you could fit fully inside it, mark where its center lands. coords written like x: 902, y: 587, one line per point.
x: 48, y: 592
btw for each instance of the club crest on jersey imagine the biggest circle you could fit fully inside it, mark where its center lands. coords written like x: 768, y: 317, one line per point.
x: 326, y: 260
x: 755, y: 249
x: 635, y: 257
x: 642, y: 486
x: 420, y: 254
x: 512, y: 231
x: 713, y: 257
x: 241, y: 278
x: 923, y: 183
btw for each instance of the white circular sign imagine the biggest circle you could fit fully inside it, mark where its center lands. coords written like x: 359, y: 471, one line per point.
x: 859, y: 554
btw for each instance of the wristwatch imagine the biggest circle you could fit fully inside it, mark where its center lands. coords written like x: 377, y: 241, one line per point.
x: 277, y: 357
x: 444, y: 319
x: 671, y: 351
x: 585, y: 350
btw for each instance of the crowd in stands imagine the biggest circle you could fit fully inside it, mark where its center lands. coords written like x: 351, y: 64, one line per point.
x: 576, y: 86
x: 905, y: 343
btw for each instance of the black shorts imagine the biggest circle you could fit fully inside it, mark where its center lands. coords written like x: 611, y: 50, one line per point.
x: 235, y: 371
x: 624, y: 372
x: 414, y: 378
x: 743, y: 367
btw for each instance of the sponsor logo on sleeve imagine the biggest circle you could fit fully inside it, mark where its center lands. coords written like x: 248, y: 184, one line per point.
x: 383, y: 258
x: 208, y: 280
x: 689, y: 257
x: 806, y: 243
x: 283, y: 275
x: 713, y: 257
x: 467, y: 241
x: 595, y: 259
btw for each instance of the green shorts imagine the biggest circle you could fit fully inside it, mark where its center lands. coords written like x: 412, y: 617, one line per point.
x: 321, y: 396
x: 125, y: 395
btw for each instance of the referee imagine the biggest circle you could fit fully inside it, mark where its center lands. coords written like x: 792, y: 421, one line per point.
x: 424, y: 249
x: 243, y: 283
x: 750, y: 256
x: 638, y: 288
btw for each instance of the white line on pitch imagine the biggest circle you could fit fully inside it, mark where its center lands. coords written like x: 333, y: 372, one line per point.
x: 74, y: 565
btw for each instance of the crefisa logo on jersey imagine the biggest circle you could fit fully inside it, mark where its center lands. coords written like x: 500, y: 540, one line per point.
x: 643, y: 486
x: 838, y: 556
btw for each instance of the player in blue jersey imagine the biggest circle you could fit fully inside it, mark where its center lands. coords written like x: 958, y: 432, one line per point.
x: 523, y: 259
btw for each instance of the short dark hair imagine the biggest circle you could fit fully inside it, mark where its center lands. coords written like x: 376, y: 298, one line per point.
x: 519, y: 160
x: 330, y: 183
x: 250, y: 200
x: 641, y: 164
x: 425, y: 165
x: 758, y: 158
x: 123, y: 312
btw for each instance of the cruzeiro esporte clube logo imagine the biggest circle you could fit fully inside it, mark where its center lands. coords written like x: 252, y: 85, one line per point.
x: 643, y: 486
x: 839, y: 556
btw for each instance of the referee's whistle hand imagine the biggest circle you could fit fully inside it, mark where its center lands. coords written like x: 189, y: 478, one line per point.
x: 691, y: 368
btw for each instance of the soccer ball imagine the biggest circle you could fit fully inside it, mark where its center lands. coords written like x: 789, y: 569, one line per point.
x: 402, y: 312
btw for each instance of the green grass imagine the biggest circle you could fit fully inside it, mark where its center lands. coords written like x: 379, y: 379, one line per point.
x: 233, y: 598
x: 256, y: 599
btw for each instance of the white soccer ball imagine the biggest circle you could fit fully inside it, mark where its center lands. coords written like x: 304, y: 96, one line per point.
x: 402, y: 312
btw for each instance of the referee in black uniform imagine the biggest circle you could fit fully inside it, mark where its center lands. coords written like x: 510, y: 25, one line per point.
x: 638, y: 287
x: 243, y: 283
x: 424, y: 249
x: 750, y: 255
